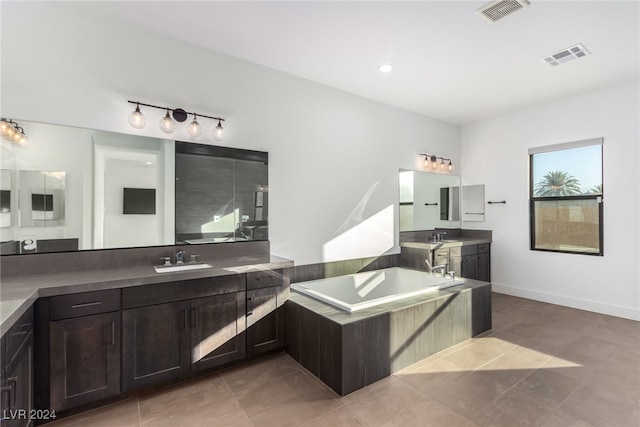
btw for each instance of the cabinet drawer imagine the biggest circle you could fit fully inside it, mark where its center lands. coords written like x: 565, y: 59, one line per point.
x: 483, y: 248
x: 161, y: 293
x: 84, y: 304
x: 441, y: 255
x: 265, y: 279
x: 469, y: 250
x: 17, y: 335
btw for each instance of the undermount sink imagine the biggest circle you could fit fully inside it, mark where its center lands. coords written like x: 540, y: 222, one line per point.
x: 176, y: 268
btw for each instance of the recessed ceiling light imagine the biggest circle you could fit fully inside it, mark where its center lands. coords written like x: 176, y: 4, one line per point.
x: 385, y: 68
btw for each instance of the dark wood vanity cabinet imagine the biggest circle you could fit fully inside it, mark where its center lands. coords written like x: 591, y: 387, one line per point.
x: 266, y: 293
x: 84, y: 340
x: 218, y: 329
x: 16, y: 383
x: 469, y: 261
x: 168, y: 341
x: 155, y: 344
x: 96, y: 345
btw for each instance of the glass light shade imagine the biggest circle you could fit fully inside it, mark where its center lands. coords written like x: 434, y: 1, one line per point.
x: 218, y: 132
x: 167, y: 124
x: 450, y: 167
x: 434, y: 162
x: 194, y: 129
x: 441, y: 165
x: 137, y: 119
x: 426, y: 162
x: 9, y: 132
x: 4, y: 125
x: 20, y: 137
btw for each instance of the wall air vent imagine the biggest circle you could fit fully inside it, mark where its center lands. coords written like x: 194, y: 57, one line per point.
x: 498, y: 9
x: 566, y: 55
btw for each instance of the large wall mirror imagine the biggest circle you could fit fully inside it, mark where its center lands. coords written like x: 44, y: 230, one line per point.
x: 428, y: 200
x: 81, y: 189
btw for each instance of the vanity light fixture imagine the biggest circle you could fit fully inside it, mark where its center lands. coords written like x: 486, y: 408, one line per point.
x: 173, y: 115
x: 137, y: 119
x: 167, y: 124
x: 218, y: 132
x: 435, y: 162
x: 11, y: 131
x: 194, y: 129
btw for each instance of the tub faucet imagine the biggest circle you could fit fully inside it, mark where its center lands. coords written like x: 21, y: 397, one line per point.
x: 180, y: 257
x: 442, y: 268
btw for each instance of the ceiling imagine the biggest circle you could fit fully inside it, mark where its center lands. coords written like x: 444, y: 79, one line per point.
x: 449, y: 62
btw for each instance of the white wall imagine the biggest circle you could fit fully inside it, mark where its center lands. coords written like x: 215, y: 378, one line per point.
x: 334, y: 157
x: 494, y: 153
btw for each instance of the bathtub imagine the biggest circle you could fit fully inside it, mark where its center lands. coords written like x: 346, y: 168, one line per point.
x: 358, y: 291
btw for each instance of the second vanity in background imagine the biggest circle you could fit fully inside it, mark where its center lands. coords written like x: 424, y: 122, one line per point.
x: 465, y: 252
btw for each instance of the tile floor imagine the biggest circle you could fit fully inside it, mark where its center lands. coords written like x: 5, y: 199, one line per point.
x: 541, y: 365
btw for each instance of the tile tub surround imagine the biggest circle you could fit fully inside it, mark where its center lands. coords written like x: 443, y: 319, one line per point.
x: 539, y: 380
x: 24, y: 278
x: 348, y: 351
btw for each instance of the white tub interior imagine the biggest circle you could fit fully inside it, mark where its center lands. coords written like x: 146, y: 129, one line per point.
x: 363, y: 290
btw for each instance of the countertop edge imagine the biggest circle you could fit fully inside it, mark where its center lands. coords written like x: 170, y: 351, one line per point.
x: 439, y: 245
x: 69, y: 283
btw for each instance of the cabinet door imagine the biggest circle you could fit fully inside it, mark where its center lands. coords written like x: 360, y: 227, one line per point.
x: 85, y: 359
x: 265, y: 320
x: 155, y: 344
x: 470, y: 266
x: 218, y: 330
x: 17, y: 387
x: 484, y: 267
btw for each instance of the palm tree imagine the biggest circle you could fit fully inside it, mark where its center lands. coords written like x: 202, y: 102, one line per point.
x: 596, y: 189
x: 557, y: 183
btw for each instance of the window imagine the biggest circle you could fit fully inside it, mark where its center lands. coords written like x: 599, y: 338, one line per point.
x: 565, y: 193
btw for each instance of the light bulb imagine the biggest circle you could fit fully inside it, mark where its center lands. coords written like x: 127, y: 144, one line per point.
x: 137, y: 119
x: 9, y: 132
x: 167, y: 124
x: 434, y: 162
x: 194, y: 129
x: 4, y: 126
x: 441, y: 165
x: 450, y: 167
x: 19, y: 137
x: 218, y: 132
x: 426, y: 163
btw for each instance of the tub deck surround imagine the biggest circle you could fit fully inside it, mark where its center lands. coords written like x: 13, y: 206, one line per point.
x: 19, y: 292
x: 359, y: 291
x: 348, y: 351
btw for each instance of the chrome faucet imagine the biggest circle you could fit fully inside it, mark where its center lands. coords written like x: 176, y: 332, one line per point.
x: 179, y: 258
x: 442, y: 268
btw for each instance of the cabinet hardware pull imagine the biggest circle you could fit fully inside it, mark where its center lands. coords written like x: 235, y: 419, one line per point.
x: 184, y: 319
x: 113, y: 333
x: 13, y: 383
x: 194, y: 317
x: 86, y: 304
x: 249, y: 306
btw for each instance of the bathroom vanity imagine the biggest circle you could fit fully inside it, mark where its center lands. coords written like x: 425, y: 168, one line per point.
x: 465, y: 252
x: 107, y: 333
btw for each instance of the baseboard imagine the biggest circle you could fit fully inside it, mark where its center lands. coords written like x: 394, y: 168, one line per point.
x: 581, y: 304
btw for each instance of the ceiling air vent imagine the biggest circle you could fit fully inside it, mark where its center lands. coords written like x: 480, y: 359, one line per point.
x: 498, y: 9
x: 566, y: 55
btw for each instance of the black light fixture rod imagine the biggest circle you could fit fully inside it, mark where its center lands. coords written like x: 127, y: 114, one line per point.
x: 501, y: 202
x: 173, y: 109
